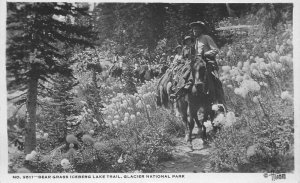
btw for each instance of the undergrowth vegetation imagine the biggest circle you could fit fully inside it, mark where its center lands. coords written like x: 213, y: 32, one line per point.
x: 108, y: 125
x: 134, y: 136
x: 257, y: 76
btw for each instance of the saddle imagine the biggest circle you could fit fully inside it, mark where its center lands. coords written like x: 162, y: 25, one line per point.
x: 182, y: 85
x: 179, y: 82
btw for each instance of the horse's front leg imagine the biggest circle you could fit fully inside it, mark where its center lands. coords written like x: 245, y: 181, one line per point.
x: 193, y: 117
x: 186, y: 123
x: 199, y: 124
x: 205, y: 118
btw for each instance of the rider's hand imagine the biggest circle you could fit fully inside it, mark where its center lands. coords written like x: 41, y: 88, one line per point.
x: 210, y: 54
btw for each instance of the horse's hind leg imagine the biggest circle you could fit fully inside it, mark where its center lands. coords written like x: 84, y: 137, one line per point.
x: 191, y: 122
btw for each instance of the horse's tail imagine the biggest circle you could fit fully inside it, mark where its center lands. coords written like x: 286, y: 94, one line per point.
x: 159, y: 91
x: 162, y: 98
x: 158, y: 97
x: 162, y: 90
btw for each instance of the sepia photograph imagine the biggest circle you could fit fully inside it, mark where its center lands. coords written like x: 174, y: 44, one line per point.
x: 160, y: 88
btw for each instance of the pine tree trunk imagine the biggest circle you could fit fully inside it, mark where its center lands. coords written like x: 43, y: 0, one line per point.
x: 97, y: 98
x: 30, y: 136
x: 94, y: 78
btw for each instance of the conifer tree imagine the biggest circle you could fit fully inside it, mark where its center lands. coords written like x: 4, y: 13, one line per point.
x: 37, y: 36
x: 64, y: 105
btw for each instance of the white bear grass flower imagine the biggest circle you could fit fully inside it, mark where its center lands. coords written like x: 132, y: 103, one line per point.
x: 71, y: 139
x: 31, y: 156
x: 226, y: 121
x: 87, y: 139
x: 230, y: 119
x: 91, y: 132
x: 132, y: 117
x: 46, y: 135
x: 219, y: 120
x: 215, y: 107
x: 208, y: 126
x: 139, y: 104
x: 286, y: 96
x: 65, y: 163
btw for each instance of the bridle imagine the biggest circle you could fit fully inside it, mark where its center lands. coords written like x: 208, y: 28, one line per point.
x: 202, y: 63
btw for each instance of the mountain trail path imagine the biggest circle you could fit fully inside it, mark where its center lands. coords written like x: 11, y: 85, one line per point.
x: 187, y: 160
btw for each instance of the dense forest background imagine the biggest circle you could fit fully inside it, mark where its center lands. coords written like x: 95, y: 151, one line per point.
x: 60, y: 94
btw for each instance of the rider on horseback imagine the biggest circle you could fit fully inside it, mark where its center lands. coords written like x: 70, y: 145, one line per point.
x: 187, y: 55
x: 206, y: 49
x: 178, y: 56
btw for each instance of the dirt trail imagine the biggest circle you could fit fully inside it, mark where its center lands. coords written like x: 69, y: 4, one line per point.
x: 187, y: 160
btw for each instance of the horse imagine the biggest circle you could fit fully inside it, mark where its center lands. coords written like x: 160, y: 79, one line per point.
x: 190, y: 102
x: 116, y: 70
x: 143, y: 73
x: 147, y: 72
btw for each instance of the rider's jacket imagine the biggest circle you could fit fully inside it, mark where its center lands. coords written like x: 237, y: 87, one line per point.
x: 205, y: 46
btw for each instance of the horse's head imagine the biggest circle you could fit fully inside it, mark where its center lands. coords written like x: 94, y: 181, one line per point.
x: 199, y: 71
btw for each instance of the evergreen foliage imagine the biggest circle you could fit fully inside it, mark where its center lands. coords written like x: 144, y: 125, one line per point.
x: 38, y: 35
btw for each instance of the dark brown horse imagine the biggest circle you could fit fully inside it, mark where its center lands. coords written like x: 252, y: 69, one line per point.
x: 198, y: 98
x: 191, y: 101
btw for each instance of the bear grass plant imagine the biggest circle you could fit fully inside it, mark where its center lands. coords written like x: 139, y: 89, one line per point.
x: 250, y: 145
x: 258, y: 83
x: 139, y: 145
x: 137, y: 138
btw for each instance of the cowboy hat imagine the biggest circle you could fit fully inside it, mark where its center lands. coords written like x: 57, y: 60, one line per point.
x: 186, y: 38
x: 197, y: 24
x: 178, y: 46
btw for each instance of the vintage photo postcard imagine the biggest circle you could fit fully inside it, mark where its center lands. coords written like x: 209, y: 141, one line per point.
x: 149, y: 91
